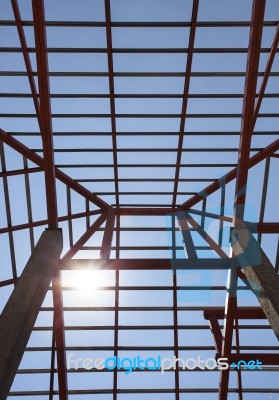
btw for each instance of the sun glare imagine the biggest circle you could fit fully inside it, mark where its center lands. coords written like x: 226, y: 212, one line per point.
x: 85, y: 280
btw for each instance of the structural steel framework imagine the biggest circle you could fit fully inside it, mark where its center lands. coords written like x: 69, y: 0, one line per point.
x: 148, y: 156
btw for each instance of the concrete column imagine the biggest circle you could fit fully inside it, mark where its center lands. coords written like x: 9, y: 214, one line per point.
x: 261, y: 276
x: 20, y: 313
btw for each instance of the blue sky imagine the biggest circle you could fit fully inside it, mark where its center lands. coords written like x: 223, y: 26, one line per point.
x: 95, y: 133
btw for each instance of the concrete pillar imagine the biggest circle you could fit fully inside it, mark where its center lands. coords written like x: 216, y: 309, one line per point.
x: 19, y: 315
x: 261, y: 276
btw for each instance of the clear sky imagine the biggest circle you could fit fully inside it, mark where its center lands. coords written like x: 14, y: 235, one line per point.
x: 92, y: 134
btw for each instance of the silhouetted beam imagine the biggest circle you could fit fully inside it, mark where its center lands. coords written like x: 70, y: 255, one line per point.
x: 147, y: 264
x: 20, y: 313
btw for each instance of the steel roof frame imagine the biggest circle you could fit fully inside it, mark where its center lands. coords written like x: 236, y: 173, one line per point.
x: 112, y: 213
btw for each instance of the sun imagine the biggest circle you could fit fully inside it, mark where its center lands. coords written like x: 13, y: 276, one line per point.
x: 84, y: 280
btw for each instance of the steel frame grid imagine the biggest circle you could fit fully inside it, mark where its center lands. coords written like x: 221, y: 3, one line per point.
x: 121, y: 208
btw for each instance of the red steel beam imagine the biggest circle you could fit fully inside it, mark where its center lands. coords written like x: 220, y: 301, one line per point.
x: 214, y: 246
x: 266, y: 74
x: 146, y: 264
x: 264, y: 227
x: 241, y: 312
x: 83, y: 239
x: 111, y: 97
x: 25, y: 151
x: 33, y: 224
x: 216, y: 313
x: 265, y: 358
x: 45, y: 124
x: 254, y: 160
x: 216, y: 332
x: 58, y: 311
x: 247, y: 121
x: 242, y: 168
x: 185, y: 96
x: 232, y: 174
x: 108, y: 235
x: 239, y: 376
x: 45, y: 110
x: 20, y: 172
x: 144, y: 211
x: 59, y: 333
x: 8, y: 282
x: 26, y: 57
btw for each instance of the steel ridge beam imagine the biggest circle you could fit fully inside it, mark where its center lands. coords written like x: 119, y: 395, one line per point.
x: 185, y: 97
x: 45, y: 110
x: 111, y: 97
